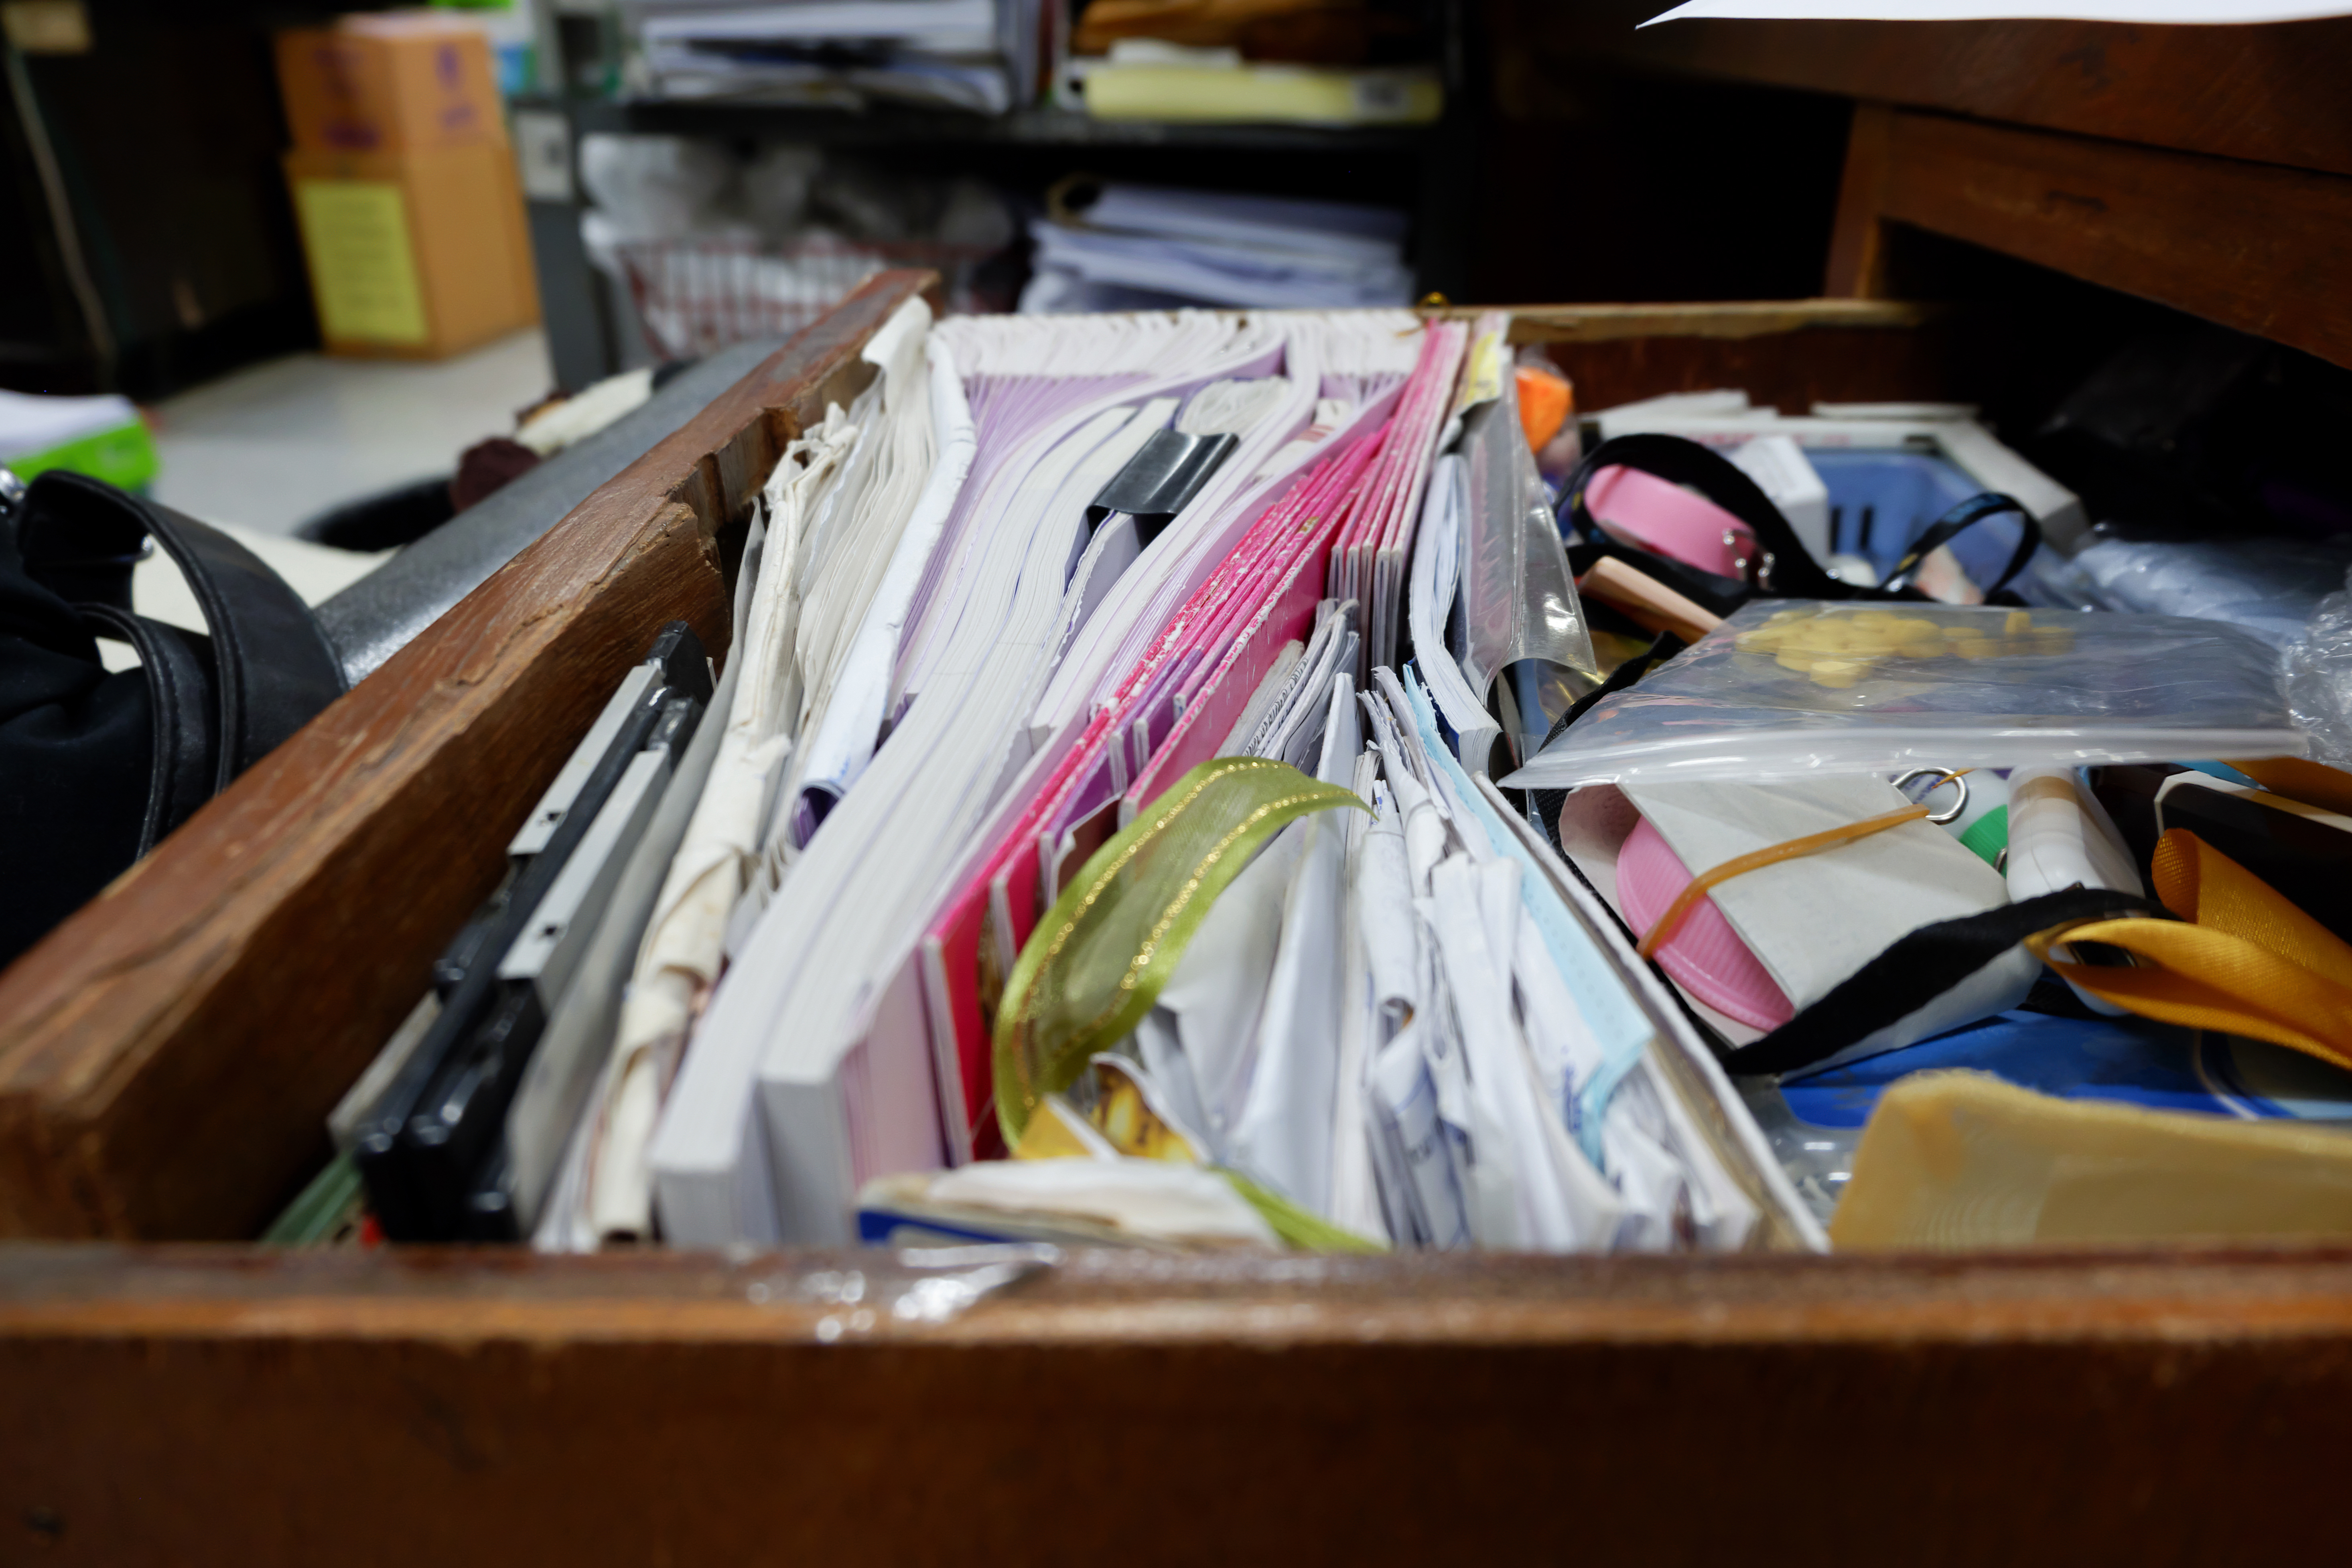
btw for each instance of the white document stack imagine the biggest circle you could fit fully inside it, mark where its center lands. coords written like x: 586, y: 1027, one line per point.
x: 976, y: 55
x: 1140, y: 246
x: 954, y: 675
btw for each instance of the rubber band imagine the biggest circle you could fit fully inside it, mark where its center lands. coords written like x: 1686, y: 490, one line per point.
x: 1756, y: 860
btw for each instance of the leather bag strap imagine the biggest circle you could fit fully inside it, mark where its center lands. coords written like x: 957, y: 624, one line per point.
x: 179, y: 669
x: 273, y: 669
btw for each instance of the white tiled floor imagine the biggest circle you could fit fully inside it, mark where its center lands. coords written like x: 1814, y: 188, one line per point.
x: 275, y: 444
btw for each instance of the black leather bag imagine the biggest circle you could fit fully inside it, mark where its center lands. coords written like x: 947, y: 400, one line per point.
x: 96, y: 769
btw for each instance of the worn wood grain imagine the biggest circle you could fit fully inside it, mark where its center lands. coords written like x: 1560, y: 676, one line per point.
x: 1727, y: 319
x: 1857, y: 263
x: 168, y: 1054
x: 2265, y: 250
x: 1791, y: 370
x: 232, y: 1406
x: 1787, y: 354
x: 2272, y: 93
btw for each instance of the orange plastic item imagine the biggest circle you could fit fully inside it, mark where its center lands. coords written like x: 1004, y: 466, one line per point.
x: 1543, y: 403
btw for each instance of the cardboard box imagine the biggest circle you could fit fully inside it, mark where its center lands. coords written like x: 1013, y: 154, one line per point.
x: 389, y: 84
x: 417, y: 254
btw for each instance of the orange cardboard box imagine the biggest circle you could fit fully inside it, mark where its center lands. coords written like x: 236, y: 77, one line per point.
x: 417, y: 254
x: 394, y: 83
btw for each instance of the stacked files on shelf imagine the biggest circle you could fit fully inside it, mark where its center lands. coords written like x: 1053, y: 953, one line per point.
x: 1108, y: 247
x: 1144, y: 78
x: 982, y: 56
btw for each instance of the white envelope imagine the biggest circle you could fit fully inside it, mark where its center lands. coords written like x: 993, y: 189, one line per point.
x: 1815, y: 919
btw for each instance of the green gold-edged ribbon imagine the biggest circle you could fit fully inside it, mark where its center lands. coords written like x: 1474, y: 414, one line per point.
x: 1299, y: 1228
x: 1101, y: 956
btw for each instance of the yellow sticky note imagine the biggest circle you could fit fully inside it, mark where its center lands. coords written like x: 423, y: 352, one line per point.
x: 362, y: 268
x: 1484, y: 381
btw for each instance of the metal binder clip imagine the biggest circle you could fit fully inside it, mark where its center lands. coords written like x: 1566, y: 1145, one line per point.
x: 12, y: 494
x: 1945, y: 775
x: 1159, y: 481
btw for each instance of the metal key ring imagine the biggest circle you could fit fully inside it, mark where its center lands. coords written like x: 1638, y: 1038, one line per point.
x: 1960, y: 806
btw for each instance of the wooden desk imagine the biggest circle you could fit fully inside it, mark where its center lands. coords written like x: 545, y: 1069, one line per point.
x: 2209, y: 169
x: 185, y: 1407
x: 166, y: 1058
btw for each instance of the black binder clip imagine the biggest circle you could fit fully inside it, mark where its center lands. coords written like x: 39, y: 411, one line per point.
x: 1159, y: 481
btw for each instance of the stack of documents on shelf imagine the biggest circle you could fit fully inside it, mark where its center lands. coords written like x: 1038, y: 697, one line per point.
x: 1143, y: 79
x: 1121, y: 247
x: 976, y: 55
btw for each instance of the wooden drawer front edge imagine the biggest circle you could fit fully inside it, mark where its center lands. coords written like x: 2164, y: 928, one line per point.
x: 2270, y: 93
x: 178, y: 1407
x: 2267, y: 250
x: 168, y: 1055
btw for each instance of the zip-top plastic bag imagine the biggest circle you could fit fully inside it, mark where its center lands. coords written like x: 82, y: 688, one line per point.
x: 1789, y: 688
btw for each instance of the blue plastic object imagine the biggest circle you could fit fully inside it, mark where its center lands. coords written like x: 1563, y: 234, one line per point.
x: 1880, y: 501
x: 2128, y: 1059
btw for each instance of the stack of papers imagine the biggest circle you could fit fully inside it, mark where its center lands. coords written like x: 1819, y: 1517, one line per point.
x: 975, y: 55
x: 1094, y: 838
x: 1140, y: 246
x: 959, y: 668
x: 2192, y: 12
x: 1144, y: 78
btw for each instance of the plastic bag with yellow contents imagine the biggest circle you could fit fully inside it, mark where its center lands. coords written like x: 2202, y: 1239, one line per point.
x: 1787, y: 689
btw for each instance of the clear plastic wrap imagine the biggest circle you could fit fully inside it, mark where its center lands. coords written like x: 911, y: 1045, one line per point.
x: 2319, y: 677
x: 2270, y: 586
x: 1519, y: 603
x: 1790, y: 687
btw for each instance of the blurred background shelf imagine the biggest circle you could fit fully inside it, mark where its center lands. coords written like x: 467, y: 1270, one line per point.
x: 2021, y: 165
x: 1039, y: 127
x: 1428, y: 170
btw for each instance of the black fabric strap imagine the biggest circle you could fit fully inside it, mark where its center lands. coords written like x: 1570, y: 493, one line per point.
x: 1664, y: 646
x: 273, y: 669
x: 1967, y: 515
x: 1789, y: 570
x: 1918, y: 967
x: 1717, y: 594
x: 1547, y: 802
x: 178, y: 665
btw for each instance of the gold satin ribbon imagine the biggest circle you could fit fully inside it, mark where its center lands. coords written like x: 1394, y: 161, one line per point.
x: 1101, y: 955
x: 2247, y: 962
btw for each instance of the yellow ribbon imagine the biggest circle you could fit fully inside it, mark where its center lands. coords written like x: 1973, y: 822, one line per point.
x: 2247, y: 962
x: 2314, y: 784
x: 1100, y: 957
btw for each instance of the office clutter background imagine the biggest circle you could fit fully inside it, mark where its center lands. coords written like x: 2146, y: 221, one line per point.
x: 480, y: 212
x: 511, y: 246
x: 161, y: 159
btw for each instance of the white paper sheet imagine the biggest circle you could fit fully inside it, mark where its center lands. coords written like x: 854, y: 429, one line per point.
x: 2199, y: 12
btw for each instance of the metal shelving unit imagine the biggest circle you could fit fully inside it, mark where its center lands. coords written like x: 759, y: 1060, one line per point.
x: 1024, y: 150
